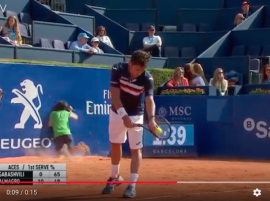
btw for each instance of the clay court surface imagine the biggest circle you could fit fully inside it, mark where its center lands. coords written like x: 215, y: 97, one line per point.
x: 98, y: 169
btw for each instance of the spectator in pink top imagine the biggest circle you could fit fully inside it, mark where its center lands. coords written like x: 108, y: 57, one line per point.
x: 178, y: 78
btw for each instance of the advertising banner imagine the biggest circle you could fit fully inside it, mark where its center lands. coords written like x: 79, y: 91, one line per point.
x: 30, y: 93
x: 180, y: 144
x: 182, y: 113
x: 223, y: 127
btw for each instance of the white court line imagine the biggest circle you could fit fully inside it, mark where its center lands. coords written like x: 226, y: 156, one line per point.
x: 223, y: 182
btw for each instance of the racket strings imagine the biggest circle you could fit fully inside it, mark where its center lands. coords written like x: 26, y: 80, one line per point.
x: 165, y: 125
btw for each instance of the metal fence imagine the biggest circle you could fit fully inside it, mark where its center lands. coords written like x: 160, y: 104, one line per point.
x: 57, y: 5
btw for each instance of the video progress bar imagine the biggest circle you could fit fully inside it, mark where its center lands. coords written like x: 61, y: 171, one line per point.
x: 223, y: 182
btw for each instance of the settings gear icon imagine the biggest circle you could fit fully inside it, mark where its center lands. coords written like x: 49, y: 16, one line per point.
x: 257, y: 192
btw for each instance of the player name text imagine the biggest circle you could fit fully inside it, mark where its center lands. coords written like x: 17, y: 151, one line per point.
x: 12, y: 174
x: 10, y: 180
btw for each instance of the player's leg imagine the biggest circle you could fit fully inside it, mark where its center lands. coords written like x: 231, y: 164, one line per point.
x: 117, y: 136
x: 75, y: 149
x: 58, y: 143
x: 135, y: 138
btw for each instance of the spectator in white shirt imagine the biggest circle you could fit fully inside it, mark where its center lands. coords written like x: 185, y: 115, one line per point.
x: 152, y: 43
x: 95, y: 44
x: 101, y: 34
x: 193, y: 78
x: 81, y: 44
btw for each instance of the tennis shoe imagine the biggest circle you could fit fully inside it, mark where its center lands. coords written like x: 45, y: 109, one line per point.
x: 130, y: 192
x: 109, y: 188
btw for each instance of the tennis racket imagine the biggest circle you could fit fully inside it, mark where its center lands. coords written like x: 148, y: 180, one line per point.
x: 163, y: 124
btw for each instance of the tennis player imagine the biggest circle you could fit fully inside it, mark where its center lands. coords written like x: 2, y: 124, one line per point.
x: 131, y: 85
x: 59, y: 121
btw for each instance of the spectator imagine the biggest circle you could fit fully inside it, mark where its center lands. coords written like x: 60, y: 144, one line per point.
x: 11, y: 32
x: 178, y: 78
x: 193, y: 78
x: 199, y: 71
x: 81, y: 44
x: 233, y: 78
x: 102, y: 36
x: 219, y: 81
x: 95, y: 44
x: 152, y: 43
x: 266, y: 74
x: 233, y: 81
x: 240, y: 17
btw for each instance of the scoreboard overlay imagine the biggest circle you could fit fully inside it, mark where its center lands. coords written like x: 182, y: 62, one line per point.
x: 12, y: 174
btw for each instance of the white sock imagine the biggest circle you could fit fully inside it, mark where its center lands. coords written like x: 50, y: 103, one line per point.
x: 115, y: 171
x: 133, y: 178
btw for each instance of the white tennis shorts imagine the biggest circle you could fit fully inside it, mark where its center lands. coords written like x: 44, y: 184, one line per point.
x: 118, y: 131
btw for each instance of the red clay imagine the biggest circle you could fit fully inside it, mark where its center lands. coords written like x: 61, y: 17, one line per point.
x: 98, y: 169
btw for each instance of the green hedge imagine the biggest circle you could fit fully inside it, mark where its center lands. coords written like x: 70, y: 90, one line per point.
x: 160, y: 75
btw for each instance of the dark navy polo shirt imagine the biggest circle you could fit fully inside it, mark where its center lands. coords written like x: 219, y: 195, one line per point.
x: 132, y: 92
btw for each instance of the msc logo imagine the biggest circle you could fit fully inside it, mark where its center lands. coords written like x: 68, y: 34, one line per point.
x: 31, y: 92
x: 175, y: 111
x: 178, y: 112
x: 162, y: 111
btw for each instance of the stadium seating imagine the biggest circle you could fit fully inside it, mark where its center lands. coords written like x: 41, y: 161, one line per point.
x: 58, y: 44
x: 25, y: 18
x: 208, y: 20
x: 87, y: 23
x: 210, y: 38
x: 146, y: 15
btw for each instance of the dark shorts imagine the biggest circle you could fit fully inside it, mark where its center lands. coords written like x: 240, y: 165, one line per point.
x: 59, y: 142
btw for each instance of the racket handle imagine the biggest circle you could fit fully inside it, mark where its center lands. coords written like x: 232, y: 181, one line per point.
x: 137, y: 125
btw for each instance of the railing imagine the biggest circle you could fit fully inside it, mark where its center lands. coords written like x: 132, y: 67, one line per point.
x: 57, y: 5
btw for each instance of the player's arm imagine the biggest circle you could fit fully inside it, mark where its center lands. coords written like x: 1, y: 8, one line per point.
x: 159, y: 42
x: 115, y: 91
x: 149, y: 98
x: 72, y: 115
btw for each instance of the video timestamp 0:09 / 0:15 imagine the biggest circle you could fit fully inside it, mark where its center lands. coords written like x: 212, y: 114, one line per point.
x: 21, y: 192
